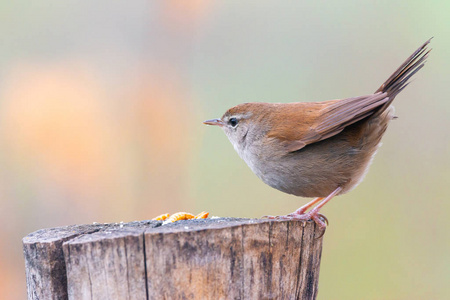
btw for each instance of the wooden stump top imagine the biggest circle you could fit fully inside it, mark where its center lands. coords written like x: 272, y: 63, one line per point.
x: 221, y: 258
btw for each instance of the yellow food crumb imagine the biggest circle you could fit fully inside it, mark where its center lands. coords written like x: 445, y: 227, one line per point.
x: 161, y: 217
x: 202, y: 215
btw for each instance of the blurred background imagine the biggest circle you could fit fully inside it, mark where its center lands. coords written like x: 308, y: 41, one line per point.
x: 101, y: 110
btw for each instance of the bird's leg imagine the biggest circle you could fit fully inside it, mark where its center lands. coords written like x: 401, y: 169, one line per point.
x: 305, y: 207
x: 313, y: 214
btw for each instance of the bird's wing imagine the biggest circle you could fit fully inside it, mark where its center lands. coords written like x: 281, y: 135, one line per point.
x: 316, y: 122
x: 319, y: 121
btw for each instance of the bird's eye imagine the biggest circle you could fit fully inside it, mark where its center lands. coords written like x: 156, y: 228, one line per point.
x: 233, y: 122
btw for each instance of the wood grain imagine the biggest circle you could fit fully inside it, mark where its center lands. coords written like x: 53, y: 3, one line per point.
x: 44, y: 260
x: 223, y: 258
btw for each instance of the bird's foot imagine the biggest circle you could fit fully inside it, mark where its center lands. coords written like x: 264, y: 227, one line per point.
x: 317, y: 217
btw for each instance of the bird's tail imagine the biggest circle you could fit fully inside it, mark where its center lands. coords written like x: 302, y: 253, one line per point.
x: 399, y: 79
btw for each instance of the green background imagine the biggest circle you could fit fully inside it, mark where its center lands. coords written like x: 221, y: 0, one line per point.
x: 101, y: 110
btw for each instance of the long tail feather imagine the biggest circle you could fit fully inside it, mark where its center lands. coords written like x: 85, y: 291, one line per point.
x: 400, y: 78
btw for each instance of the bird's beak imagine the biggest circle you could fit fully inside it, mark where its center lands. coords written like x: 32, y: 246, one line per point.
x: 217, y: 122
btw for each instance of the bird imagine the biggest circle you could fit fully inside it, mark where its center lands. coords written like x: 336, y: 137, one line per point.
x: 316, y: 149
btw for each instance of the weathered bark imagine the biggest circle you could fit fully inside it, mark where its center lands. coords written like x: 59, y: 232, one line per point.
x: 222, y: 258
x: 44, y: 261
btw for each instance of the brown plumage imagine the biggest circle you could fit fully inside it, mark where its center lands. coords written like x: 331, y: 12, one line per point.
x: 316, y: 149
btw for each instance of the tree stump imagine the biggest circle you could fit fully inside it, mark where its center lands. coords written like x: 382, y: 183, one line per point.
x: 221, y: 258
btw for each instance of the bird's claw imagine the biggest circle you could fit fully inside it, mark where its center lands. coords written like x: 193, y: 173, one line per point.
x: 324, y: 218
x: 318, y: 218
x: 275, y: 217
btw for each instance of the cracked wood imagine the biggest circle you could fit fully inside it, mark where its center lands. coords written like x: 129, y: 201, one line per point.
x: 224, y: 258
